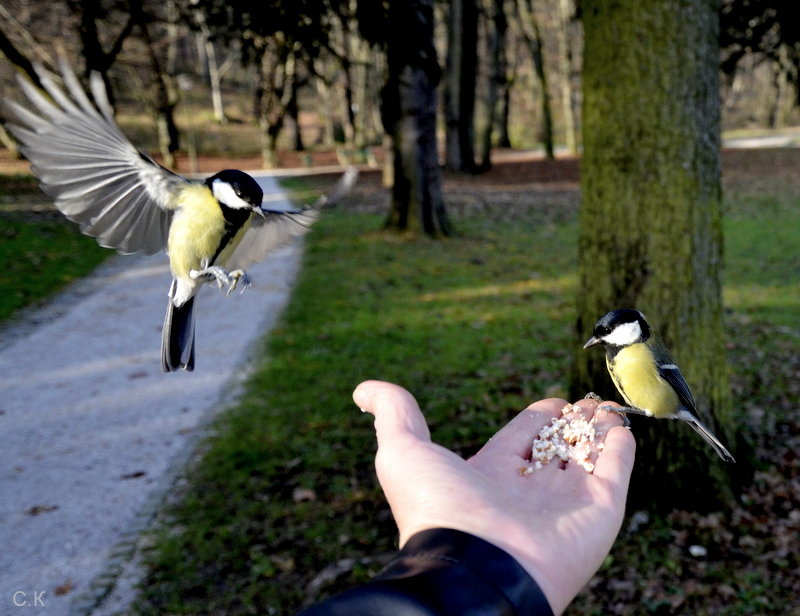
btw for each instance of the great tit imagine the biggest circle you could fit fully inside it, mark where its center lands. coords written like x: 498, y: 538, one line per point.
x: 127, y: 201
x: 645, y: 373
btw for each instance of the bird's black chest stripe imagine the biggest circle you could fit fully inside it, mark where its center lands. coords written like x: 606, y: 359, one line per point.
x: 234, y: 219
x: 611, y: 353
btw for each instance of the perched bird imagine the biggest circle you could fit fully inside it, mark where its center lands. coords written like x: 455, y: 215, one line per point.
x: 127, y: 201
x: 645, y: 374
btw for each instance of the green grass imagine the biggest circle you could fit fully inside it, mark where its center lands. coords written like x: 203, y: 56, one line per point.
x: 40, y: 251
x: 763, y: 267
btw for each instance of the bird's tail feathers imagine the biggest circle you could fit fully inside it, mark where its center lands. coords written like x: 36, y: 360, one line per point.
x: 177, y: 337
x: 709, y: 437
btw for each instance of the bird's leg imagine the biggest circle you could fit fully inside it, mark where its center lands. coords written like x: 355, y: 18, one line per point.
x: 624, y: 410
x: 213, y: 273
x: 619, y: 410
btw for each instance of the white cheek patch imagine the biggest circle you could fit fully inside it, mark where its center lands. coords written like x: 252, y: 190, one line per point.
x: 224, y: 193
x: 624, y: 334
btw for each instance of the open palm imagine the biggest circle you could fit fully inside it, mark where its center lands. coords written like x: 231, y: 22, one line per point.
x: 558, y: 522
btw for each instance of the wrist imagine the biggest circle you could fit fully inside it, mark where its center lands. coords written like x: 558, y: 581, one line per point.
x: 473, y: 560
x: 558, y: 585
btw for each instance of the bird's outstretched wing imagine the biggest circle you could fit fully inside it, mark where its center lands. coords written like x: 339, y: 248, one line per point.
x: 268, y: 232
x: 279, y: 226
x: 95, y: 175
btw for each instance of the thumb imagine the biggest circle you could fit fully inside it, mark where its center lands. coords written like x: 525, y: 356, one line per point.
x: 397, y: 414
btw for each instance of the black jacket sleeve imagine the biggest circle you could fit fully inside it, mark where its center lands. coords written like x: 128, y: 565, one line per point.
x: 443, y: 572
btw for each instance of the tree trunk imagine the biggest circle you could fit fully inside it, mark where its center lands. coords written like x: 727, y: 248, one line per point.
x: 565, y: 12
x: 16, y: 57
x: 275, y: 83
x: 98, y: 59
x: 214, y: 76
x: 164, y: 98
x: 497, y: 77
x: 408, y: 111
x: 503, y: 136
x: 462, y: 58
x: 650, y: 225
x: 293, y: 111
x: 325, y: 101
x: 533, y: 37
x: 349, y: 103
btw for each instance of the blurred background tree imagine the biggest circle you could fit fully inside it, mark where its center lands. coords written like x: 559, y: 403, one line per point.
x: 314, y: 70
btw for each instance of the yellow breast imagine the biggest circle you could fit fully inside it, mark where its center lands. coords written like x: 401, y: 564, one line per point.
x: 640, y: 385
x: 196, y: 230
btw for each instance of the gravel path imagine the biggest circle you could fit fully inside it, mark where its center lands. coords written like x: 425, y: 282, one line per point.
x: 92, y: 432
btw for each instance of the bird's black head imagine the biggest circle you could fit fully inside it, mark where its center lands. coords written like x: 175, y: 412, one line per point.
x: 236, y: 189
x: 620, y: 328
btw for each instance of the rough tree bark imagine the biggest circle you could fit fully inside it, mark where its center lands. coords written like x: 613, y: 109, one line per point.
x: 408, y: 111
x: 650, y: 225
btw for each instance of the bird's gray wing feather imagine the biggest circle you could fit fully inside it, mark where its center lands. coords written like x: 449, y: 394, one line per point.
x: 670, y: 372
x: 95, y: 175
x: 272, y: 231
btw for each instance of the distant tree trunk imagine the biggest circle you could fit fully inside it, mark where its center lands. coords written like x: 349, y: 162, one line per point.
x: 293, y: 111
x: 778, y: 108
x: 17, y: 58
x: 533, y: 37
x: 503, y: 136
x: 361, y: 98
x: 462, y: 58
x: 497, y: 77
x: 325, y: 102
x: 349, y: 103
x: 165, y: 93
x: 96, y: 57
x: 408, y: 111
x: 214, y: 75
x: 650, y: 225
x: 565, y: 14
x: 276, y: 74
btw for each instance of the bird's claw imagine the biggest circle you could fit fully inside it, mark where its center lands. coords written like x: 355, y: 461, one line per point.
x: 222, y: 277
x: 593, y: 396
x: 238, y: 277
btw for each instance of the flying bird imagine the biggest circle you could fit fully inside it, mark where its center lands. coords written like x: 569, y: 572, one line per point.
x: 124, y: 199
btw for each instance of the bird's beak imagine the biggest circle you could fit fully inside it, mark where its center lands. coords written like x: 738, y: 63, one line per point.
x: 260, y: 211
x: 591, y: 342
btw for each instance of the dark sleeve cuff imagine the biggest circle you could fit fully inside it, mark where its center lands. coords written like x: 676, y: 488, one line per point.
x: 443, y: 572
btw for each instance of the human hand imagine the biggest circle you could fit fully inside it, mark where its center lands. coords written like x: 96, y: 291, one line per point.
x: 558, y: 522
